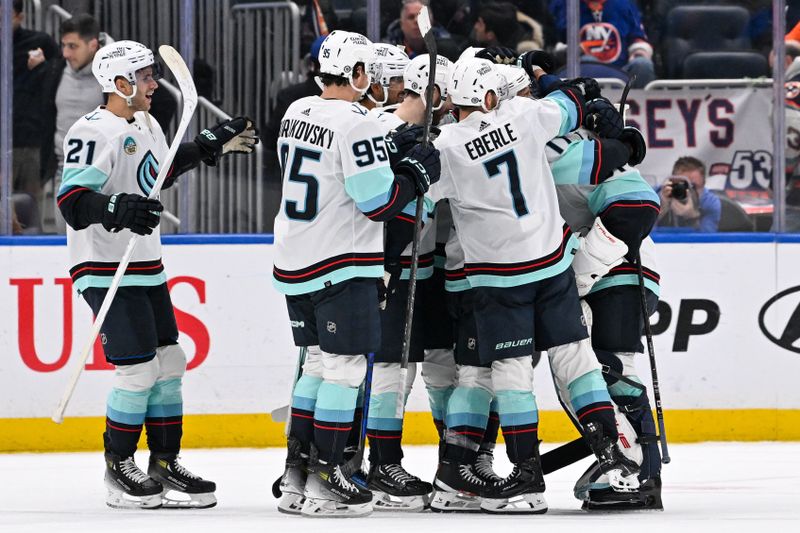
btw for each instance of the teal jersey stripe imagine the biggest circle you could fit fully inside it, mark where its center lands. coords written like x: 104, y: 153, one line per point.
x: 574, y: 167
x: 488, y: 280
x: 339, y: 416
x: 384, y: 405
x: 457, y: 285
x: 628, y: 185
x: 513, y: 402
x: 475, y: 420
x: 625, y: 279
x: 438, y: 398
x: 332, y: 278
x: 519, y: 419
x: 620, y: 388
x: 385, y: 424
x: 128, y: 280
x: 90, y: 177
x: 588, y: 398
x: 336, y: 400
x: 422, y: 273
x: 589, y: 382
x: 569, y: 113
x: 131, y: 419
x: 164, y: 410
x: 306, y: 404
x: 367, y: 185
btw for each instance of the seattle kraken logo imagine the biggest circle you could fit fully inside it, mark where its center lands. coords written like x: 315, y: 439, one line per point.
x: 147, y: 173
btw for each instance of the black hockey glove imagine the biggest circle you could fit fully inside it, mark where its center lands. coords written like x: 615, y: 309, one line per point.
x: 132, y: 211
x: 536, y: 58
x: 603, y: 118
x: 591, y: 89
x: 634, y: 140
x: 498, y: 54
x: 403, y: 139
x: 237, y: 135
x: 422, y: 165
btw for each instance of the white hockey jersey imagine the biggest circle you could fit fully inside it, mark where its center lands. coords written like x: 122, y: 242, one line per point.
x: 502, y: 194
x: 336, y: 175
x: 108, y: 154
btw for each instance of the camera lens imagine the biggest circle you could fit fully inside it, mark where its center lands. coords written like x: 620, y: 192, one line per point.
x: 679, y: 189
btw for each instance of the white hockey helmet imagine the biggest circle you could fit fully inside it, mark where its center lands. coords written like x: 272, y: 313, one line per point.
x: 472, y: 79
x: 469, y: 52
x: 341, y: 51
x: 390, y: 62
x: 516, y: 78
x: 415, y: 78
x: 122, y: 59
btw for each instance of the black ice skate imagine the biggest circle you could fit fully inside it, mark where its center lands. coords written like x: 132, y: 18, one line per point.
x: 646, y: 498
x: 483, y: 467
x: 397, y: 490
x: 456, y: 488
x: 129, y: 487
x: 329, y: 493
x: 289, y: 487
x: 622, y: 472
x: 522, y: 492
x: 182, y: 489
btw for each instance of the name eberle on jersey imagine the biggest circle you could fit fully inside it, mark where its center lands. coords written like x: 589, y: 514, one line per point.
x: 306, y: 132
x: 490, y: 141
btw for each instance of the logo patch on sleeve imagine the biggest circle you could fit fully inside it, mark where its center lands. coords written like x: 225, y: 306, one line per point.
x: 129, y: 146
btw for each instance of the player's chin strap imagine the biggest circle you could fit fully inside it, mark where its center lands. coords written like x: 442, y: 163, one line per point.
x: 441, y: 101
x: 360, y: 92
x: 385, y: 96
x: 128, y: 99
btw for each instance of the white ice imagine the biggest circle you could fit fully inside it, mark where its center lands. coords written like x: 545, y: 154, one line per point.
x: 730, y: 487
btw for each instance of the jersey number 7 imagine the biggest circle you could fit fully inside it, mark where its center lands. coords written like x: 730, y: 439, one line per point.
x: 508, y: 159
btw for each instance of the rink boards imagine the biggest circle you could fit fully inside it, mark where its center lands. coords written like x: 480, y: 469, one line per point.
x: 727, y: 342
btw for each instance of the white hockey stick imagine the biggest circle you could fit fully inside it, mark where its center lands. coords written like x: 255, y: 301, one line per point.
x: 175, y: 62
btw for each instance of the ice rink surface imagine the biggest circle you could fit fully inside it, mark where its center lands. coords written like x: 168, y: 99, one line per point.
x: 726, y: 487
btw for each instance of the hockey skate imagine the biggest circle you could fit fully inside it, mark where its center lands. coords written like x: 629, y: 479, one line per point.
x: 293, y: 482
x: 522, y: 492
x: 181, y: 488
x: 456, y: 488
x: 329, y: 493
x: 646, y: 498
x: 129, y: 487
x: 394, y: 489
x: 621, y: 471
x: 483, y: 467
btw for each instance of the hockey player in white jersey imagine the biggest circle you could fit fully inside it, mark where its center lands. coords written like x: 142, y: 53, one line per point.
x: 517, y: 263
x: 112, y: 159
x: 386, y: 76
x: 329, y: 262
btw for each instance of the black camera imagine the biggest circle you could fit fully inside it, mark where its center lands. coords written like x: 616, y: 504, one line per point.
x: 679, y: 189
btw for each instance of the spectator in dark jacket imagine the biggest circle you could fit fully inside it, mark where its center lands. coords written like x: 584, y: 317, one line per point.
x: 405, y: 30
x: 33, y: 50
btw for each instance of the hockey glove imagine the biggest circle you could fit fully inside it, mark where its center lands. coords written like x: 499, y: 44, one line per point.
x: 236, y: 135
x: 499, y: 55
x: 591, y: 89
x: 603, y: 119
x: 534, y: 59
x: 422, y: 166
x: 132, y: 211
x: 634, y: 140
x: 403, y: 139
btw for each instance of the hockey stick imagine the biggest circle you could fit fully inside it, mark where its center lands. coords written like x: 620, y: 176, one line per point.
x: 283, y: 413
x: 175, y: 62
x: 648, y: 333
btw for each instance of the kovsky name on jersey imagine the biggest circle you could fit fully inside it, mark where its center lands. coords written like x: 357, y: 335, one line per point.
x: 306, y: 132
x: 491, y: 141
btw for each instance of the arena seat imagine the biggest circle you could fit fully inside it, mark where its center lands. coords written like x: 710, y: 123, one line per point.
x: 725, y: 65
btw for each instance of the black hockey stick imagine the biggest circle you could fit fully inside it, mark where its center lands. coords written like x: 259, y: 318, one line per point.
x: 355, y: 462
x: 648, y: 333
x: 284, y: 414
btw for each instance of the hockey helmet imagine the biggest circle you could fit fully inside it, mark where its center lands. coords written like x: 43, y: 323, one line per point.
x: 390, y: 62
x: 341, y: 51
x: 122, y: 59
x: 516, y: 78
x: 415, y: 78
x: 472, y: 80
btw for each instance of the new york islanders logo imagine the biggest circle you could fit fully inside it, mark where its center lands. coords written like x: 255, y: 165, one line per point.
x: 602, y: 41
x: 147, y: 173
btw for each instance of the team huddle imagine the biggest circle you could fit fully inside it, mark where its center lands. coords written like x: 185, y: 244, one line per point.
x: 534, y: 240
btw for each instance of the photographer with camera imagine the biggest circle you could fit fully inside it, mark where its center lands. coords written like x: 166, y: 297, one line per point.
x: 685, y: 202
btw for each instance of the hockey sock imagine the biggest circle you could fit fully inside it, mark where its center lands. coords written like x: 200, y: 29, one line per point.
x: 437, y: 398
x: 125, y: 414
x: 164, y: 418
x: 492, y: 427
x: 639, y: 413
x: 385, y: 420
x: 591, y: 402
x: 304, y: 401
x: 519, y: 418
x: 355, y: 434
x: 333, y: 419
x: 466, y: 419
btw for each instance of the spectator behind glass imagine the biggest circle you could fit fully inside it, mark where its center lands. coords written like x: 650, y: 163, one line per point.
x: 405, y: 31
x: 33, y: 50
x: 792, y: 107
x: 72, y: 92
x: 611, y: 33
x: 497, y: 26
x: 685, y: 202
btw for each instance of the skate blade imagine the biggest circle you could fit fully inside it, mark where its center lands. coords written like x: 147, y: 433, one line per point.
x: 533, y: 503
x: 291, y: 503
x: 454, y: 502
x: 611, y: 508
x: 121, y: 500
x: 318, y: 508
x: 173, y: 499
x: 407, y: 504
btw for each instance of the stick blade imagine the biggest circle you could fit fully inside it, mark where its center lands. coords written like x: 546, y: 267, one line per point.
x: 281, y: 414
x: 424, y: 21
x: 182, y: 75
